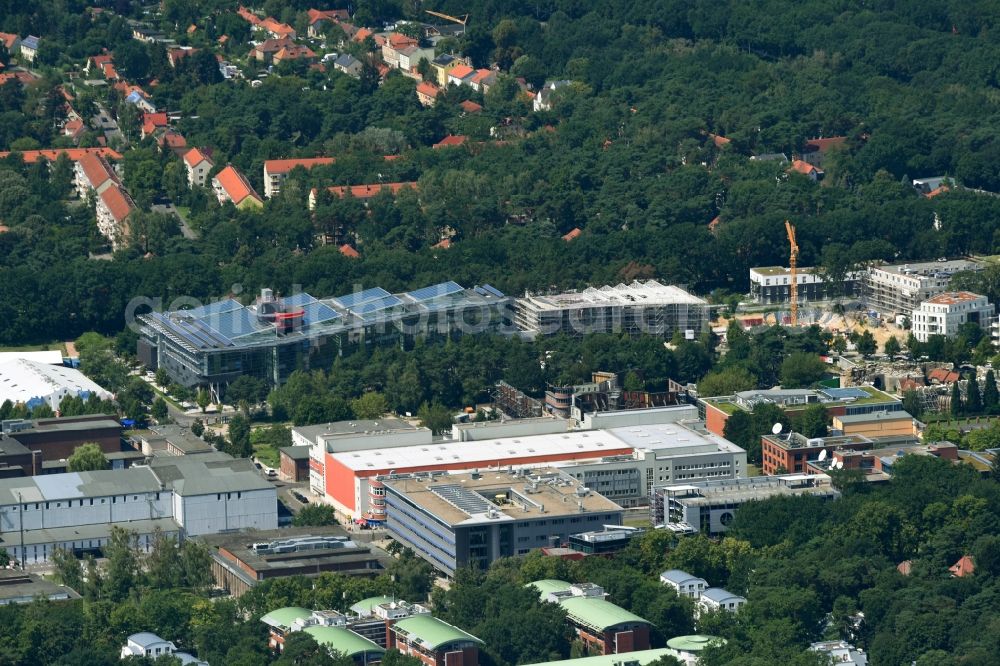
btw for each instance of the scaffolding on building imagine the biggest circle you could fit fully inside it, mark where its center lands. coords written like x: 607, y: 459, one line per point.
x: 515, y: 403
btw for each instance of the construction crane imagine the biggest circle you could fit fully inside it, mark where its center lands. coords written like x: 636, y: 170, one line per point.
x: 462, y: 20
x: 793, y: 259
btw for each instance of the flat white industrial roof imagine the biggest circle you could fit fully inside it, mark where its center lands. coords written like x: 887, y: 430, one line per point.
x: 649, y: 293
x: 51, y: 357
x: 487, y: 453
x: 585, y: 444
x: 667, y: 436
x: 22, y: 380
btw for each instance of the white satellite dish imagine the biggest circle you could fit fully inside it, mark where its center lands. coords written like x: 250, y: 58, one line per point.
x: 822, y: 455
x: 776, y: 429
x: 839, y: 464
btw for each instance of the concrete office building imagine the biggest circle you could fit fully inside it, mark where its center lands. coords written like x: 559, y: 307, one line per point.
x: 77, y: 510
x: 620, y: 463
x: 771, y: 285
x: 214, y: 344
x: 639, y: 307
x: 900, y: 289
x: 461, y: 520
x: 710, y: 506
x: 242, y: 560
x: 945, y: 313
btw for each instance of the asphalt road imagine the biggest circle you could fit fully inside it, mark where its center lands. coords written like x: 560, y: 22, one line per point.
x: 170, y: 209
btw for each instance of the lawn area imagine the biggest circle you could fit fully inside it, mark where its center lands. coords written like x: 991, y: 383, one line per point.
x: 267, y: 455
x: 48, y: 346
x: 753, y: 470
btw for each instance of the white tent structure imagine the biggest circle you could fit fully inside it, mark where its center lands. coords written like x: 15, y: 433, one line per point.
x: 32, y: 383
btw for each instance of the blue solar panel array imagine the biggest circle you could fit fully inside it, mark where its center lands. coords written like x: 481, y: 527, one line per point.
x: 297, y: 300
x: 359, y: 297
x: 238, y: 323
x: 493, y: 290
x: 317, y: 313
x: 843, y: 393
x: 226, y: 305
x: 376, y: 306
x: 436, y: 291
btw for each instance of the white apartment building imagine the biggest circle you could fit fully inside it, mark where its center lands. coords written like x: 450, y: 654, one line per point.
x: 77, y: 510
x: 683, y: 583
x: 198, y: 167
x: 945, y: 313
x: 773, y: 284
x: 716, y: 599
x: 900, y: 289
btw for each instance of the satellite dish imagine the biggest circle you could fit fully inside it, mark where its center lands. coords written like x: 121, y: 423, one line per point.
x: 822, y: 455
x: 839, y: 464
x: 776, y: 429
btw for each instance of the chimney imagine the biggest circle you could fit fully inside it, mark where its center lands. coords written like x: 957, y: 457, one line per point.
x: 36, y: 463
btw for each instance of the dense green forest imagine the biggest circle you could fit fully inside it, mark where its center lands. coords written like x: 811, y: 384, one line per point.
x: 912, y: 86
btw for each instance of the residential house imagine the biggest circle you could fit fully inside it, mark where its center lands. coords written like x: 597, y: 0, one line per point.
x: 175, y: 55
x: 147, y: 35
x: 966, y: 566
x: 348, y: 64
x: 468, y: 106
x: 460, y: 74
x: 198, y: 166
x: 152, y: 122
x: 320, y: 20
x: 232, y: 186
x: 74, y: 129
x: 113, y: 208
x: 393, y: 44
x: 151, y: 646
x: 815, y: 151
x: 26, y: 78
x: 572, y: 234
x: 266, y: 50
x: 294, y: 52
x: 136, y: 96
x: 248, y: 16
x: 276, y: 171
x: 172, y: 141
x: 410, y: 57
x: 360, y: 34
x: 96, y: 63
x: 276, y: 29
x: 349, y: 251
x: 683, y: 583
x: 841, y: 653
x: 10, y: 42
x: 483, y: 80
x: 451, y: 141
x: 109, y: 72
x: 444, y: 63
x: 716, y: 599
x: 808, y: 170
x: 73, y: 154
x: 29, y: 48
x: 543, y: 100
x: 427, y: 93
x: 363, y: 192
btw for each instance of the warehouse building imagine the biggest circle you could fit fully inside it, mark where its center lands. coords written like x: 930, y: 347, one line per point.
x: 460, y: 520
x: 52, y: 440
x: 640, y: 307
x: 32, y: 383
x: 76, y: 511
x: 620, y: 463
x: 603, y: 627
x: 213, y: 344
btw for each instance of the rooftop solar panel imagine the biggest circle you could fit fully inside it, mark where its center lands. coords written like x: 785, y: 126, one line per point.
x: 297, y: 300
x: 226, y: 305
x: 493, y: 290
x: 842, y: 393
x: 237, y: 324
x: 317, y: 313
x: 358, y: 297
x: 376, y: 306
x: 464, y: 499
x: 436, y: 291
